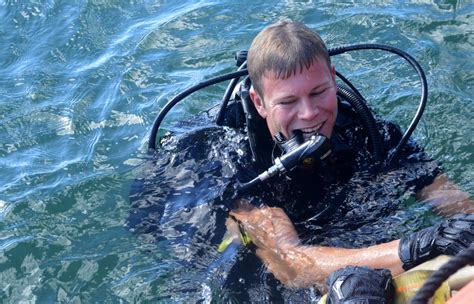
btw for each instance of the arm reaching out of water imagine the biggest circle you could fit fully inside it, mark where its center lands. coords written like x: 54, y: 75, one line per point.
x: 446, y: 197
x: 298, y: 266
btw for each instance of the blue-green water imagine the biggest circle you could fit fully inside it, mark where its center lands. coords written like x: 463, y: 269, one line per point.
x: 80, y: 85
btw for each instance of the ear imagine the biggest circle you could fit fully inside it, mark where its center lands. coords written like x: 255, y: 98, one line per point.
x: 333, y: 73
x: 258, y: 103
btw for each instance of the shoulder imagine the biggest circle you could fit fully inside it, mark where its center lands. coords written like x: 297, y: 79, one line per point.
x: 185, y: 178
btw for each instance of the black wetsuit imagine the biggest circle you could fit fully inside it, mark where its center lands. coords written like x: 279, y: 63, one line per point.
x: 185, y: 192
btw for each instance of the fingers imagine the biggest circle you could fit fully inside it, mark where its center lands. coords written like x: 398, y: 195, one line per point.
x: 268, y: 227
x: 248, y: 213
x: 232, y: 226
x: 244, y: 205
x: 243, y: 210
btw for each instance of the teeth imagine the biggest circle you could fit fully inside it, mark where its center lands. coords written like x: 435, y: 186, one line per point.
x: 308, y: 132
x: 311, y: 130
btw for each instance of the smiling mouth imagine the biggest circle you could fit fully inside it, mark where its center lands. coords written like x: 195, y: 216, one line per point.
x: 307, y: 132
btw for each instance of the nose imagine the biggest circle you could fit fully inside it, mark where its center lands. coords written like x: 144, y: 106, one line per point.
x: 308, y: 109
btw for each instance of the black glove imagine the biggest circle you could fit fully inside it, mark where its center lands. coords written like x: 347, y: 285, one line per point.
x: 360, y: 285
x: 449, y: 237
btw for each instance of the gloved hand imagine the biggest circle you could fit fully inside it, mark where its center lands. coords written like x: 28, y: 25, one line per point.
x: 359, y: 285
x: 449, y: 237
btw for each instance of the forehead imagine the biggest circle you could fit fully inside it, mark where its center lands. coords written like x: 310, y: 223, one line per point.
x: 308, y: 78
x: 318, y: 67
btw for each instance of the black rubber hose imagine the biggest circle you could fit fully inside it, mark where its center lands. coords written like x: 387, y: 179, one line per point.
x: 368, y: 120
x: 346, y: 81
x: 182, y: 95
x: 227, y: 96
x: 424, y: 90
x: 332, y: 52
x: 428, y: 289
x: 244, y: 187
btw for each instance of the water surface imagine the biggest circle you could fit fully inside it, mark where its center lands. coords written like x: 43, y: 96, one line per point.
x: 81, y: 83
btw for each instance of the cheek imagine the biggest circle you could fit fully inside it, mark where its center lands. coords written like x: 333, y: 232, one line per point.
x: 331, y: 105
x: 282, y: 117
x: 278, y: 120
x: 332, y: 110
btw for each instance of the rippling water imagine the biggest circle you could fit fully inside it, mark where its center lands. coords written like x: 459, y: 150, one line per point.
x: 80, y: 85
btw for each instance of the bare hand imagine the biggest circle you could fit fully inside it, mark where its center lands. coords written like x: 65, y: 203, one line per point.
x: 274, y: 235
x: 269, y: 228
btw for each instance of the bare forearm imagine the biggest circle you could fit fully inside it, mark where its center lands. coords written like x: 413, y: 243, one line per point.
x: 303, y: 266
x: 446, y: 198
x: 378, y: 256
x: 296, y: 265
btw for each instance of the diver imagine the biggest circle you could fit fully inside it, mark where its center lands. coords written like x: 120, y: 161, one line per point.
x: 294, y: 88
x: 299, y: 222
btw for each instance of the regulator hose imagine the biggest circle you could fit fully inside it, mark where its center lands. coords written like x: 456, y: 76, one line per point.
x: 170, y: 104
x: 332, y: 52
x: 346, y: 81
x: 424, y: 91
x: 367, y: 120
x: 228, y: 95
x: 314, y: 149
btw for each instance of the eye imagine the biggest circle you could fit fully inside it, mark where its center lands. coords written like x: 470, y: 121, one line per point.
x: 319, y: 92
x: 286, y: 101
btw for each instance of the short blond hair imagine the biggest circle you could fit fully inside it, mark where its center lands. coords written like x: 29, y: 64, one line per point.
x: 283, y: 49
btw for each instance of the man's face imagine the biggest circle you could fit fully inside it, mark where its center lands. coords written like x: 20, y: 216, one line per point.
x: 305, y: 101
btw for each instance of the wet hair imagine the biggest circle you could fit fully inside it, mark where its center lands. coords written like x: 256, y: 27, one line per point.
x: 284, y: 49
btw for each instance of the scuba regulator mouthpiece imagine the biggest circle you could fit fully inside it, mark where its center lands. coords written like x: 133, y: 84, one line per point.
x: 296, y: 152
x: 290, y: 144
